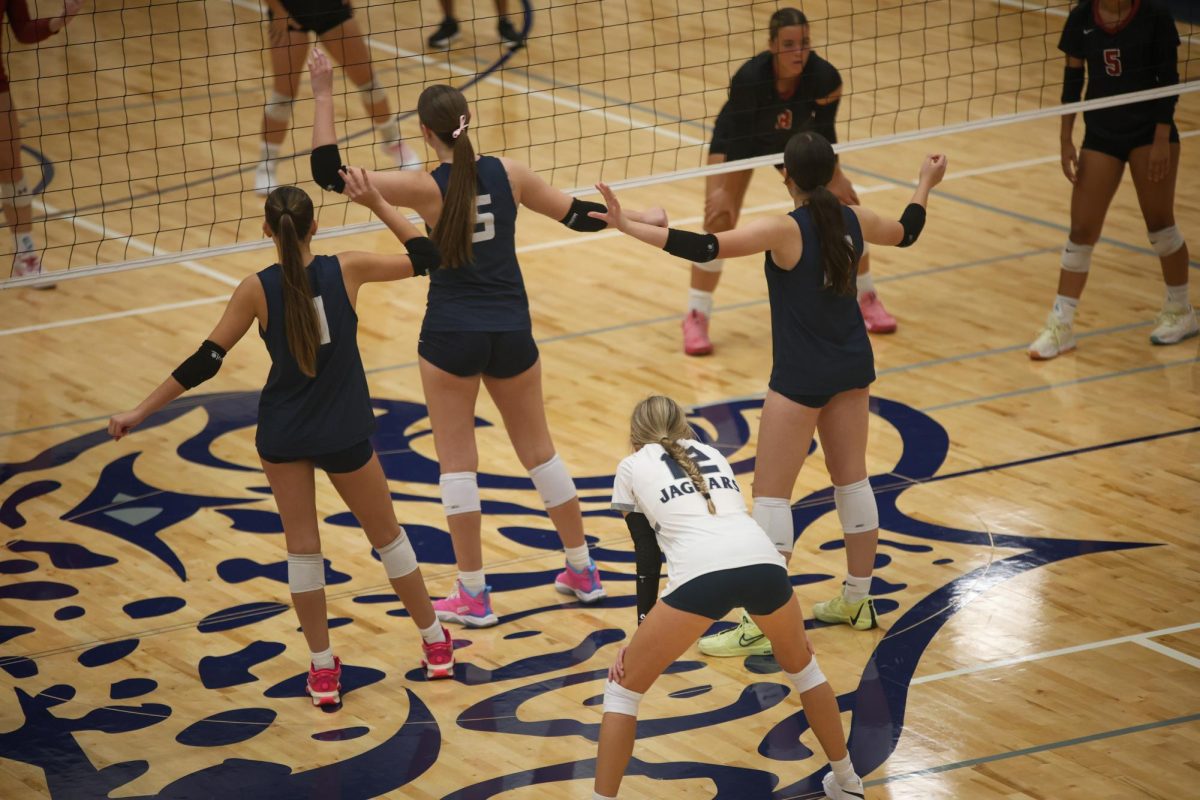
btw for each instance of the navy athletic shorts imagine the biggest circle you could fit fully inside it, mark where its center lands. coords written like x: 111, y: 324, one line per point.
x: 759, y: 588
x: 315, y: 16
x: 1119, y: 147
x: 352, y: 458
x: 503, y: 354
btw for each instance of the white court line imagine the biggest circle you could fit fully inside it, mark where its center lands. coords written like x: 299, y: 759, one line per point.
x: 1021, y: 5
x: 1137, y: 638
x: 1170, y: 652
x: 138, y: 244
x: 133, y: 312
x: 526, y: 89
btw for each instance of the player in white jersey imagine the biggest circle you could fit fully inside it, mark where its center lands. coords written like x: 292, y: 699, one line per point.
x: 718, y: 558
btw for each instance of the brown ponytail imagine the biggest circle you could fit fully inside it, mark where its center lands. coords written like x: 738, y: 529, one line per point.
x: 810, y: 162
x: 290, y: 211
x: 443, y: 110
x: 659, y: 419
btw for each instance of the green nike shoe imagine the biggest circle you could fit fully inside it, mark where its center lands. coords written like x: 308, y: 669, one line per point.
x: 743, y: 640
x: 860, y: 615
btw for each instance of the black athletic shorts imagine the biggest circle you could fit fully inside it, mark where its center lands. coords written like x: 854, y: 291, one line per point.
x: 503, y: 354
x: 1119, y: 147
x: 315, y: 16
x: 352, y: 458
x: 758, y: 588
x: 814, y: 400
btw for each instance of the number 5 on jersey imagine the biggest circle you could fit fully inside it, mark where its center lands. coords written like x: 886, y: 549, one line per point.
x: 485, y: 221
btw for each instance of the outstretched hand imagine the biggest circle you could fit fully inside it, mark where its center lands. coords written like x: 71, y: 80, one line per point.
x: 613, y: 216
x: 359, y: 188
x: 320, y: 72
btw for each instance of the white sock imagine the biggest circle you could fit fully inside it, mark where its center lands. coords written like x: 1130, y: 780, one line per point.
x: 323, y: 659
x: 389, y: 132
x: 700, y: 301
x: 598, y: 796
x: 25, y: 245
x: 434, y: 633
x: 269, y: 152
x: 866, y: 284
x: 578, y: 557
x: 474, y: 582
x: 1064, y: 308
x: 1178, y: 295
x: 856, y: 588
x: 843, y: 770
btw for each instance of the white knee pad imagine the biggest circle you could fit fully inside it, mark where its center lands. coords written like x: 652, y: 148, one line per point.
x: 460, y: 493
x: 856, y: 507
x: 398, y: 557
x: 1167, y: 241
x: 372, y: 93
x: 278, y: 106
x: 306, y: 572
x: 716, y: 265
x: 553, y: 482
x: 619, y: 700
x: 1076, y: 257
x: 16, y: 193
x: 808, y: 678
x: 774, y: 515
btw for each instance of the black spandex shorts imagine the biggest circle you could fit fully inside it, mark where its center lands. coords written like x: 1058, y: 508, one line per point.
x: 315, y: 16
x: 758, y: 588
x: 1119, y: 147
x: 814, y: 400
x: 465, y: 353
x: 352, y: 458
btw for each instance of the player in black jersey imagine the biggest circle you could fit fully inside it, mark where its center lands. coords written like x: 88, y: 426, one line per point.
x: 315, y: 410
x: 477, y: 329
x: 289, y: 23
x: 781, y: 91
x: 1120, y: 46
x: 822, y: 362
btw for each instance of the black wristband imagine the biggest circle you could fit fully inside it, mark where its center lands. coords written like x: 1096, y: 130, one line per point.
x: 1072, y: 90
x: 913, y: 220
x: 326, y: 165
x: 697, y: 247
x: 424, y: 255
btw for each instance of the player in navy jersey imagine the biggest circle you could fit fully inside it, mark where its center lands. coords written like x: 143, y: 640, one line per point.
x: 784, y: 90
x: 289, y: 23
x: 315, y: 410
x: 822, y: 360
x: 1120, y: 46
x: 477, y: 330
x: 683, y: 493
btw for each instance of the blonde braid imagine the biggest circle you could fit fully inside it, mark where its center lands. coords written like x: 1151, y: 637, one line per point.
x: 681, y: 457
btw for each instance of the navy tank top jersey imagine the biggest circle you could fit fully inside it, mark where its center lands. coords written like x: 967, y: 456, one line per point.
x: 487, y: 294
x: 819, y: 340
x: 299, y: 416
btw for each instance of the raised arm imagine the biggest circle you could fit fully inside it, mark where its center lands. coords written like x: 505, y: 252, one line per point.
x: 903, y: 232
x: 28, y: 30
x: 360, y: 267
x: 204, y: 363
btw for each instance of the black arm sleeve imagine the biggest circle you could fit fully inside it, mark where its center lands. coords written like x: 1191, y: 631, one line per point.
x: 698, y: 247
x: 424, y: 255
x: 913, y: 220
x: 577, y: 218
x: 326, y: 164
x: 1166, y: 46
x: 649, y: 562
x: 200, y: 365
x: 1072, y: 84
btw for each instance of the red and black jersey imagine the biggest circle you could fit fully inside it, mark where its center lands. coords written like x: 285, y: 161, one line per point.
x: 1137, y: 54
x: 27, y: 29
x: 757, y: 121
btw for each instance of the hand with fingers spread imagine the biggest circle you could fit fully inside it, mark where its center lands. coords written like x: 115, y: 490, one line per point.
x: 359, y: 188
x: 613, y: 216
x: 320, y: 73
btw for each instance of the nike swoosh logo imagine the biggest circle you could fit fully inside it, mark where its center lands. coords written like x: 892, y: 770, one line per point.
x: 744, y: 642
x: 1086, y: 31
x: 854, y: 619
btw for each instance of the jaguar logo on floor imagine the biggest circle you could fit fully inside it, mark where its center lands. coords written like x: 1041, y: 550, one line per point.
x: 55, y: 695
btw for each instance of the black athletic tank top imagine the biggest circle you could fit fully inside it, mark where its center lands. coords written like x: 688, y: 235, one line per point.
x: 489, y: 293
x: 819, y: 340
x: 299, y: 416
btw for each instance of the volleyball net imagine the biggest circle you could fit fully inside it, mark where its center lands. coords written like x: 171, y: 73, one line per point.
x: 142, y: 122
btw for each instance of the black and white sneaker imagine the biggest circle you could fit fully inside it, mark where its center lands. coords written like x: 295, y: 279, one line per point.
x: 446, y: 33
x: 509, y: 34
x: 852, y: 791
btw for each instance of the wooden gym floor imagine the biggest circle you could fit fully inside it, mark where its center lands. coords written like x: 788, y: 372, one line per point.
x: 1037, y: 571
